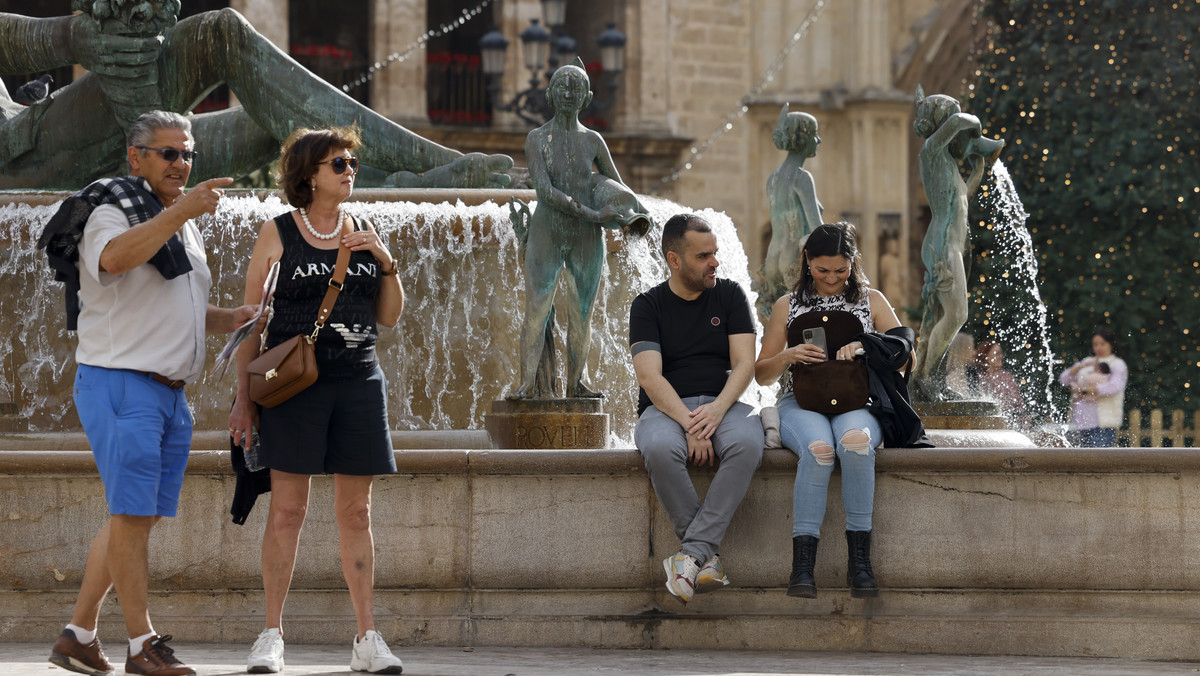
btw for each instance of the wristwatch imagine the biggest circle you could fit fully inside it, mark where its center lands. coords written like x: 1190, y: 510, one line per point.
x: 391, y: 272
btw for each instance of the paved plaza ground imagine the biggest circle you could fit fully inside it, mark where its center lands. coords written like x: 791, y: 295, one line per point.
x: 24, y: 659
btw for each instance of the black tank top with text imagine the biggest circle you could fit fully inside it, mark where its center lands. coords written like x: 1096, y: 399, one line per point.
x: 346, y: 345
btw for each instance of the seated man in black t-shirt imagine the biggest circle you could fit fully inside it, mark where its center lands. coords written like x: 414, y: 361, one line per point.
x: 692, y: 339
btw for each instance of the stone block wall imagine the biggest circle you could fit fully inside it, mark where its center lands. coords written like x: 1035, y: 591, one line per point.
x: 978, y: 551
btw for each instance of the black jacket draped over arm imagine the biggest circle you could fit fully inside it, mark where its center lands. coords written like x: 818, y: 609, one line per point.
x: 886, y: 353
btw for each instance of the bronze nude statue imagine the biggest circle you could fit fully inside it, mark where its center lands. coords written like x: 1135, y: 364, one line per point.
x: 575, y: 204
x: 792, y: 199
x: 140, y: 58
x: 951, y: 136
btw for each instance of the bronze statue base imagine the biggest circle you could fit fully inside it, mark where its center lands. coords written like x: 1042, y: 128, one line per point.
x: 547, y: 423
x: 961, y: 415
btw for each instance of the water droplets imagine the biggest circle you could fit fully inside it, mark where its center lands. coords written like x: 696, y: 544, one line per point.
x: 1023, y: 332
x: 454, y: 351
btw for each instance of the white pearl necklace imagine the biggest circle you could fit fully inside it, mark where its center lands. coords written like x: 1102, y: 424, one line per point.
x: 308, y: 224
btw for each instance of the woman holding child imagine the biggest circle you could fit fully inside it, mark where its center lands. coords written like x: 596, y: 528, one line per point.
x: 832, y: 290
x: 1097, y: 393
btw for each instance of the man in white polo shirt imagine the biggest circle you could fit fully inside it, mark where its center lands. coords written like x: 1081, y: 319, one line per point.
x: 143, y: 313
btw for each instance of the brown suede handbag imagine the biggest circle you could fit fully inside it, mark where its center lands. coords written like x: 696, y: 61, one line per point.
x: 282, y: 372
x: 832, y: 386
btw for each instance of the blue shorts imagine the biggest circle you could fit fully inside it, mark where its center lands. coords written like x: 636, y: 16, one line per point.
x: 140, y: 432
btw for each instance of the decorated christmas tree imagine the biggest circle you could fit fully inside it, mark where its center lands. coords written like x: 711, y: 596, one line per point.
x: 1098, y: 102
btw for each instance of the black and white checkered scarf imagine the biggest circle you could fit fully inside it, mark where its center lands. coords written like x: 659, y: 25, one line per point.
x: 64, y: 231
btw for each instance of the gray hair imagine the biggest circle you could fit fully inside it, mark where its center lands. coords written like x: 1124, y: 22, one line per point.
x: 142, y: 131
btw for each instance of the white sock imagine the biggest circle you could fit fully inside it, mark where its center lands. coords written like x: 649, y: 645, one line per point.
x: 135, y: 644
x: 83, y: 635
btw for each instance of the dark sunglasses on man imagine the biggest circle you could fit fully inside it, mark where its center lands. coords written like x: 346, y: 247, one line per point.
x: 171, y: 154
x: 339, y: 164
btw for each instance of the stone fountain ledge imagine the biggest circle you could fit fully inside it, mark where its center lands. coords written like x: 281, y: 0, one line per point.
x: 1026, y: 551
x: 469, y: 451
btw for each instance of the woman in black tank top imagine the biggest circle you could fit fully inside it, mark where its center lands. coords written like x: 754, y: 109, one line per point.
x: 338, y: 425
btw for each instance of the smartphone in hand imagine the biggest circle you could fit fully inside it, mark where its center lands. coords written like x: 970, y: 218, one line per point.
x: 816, y: 336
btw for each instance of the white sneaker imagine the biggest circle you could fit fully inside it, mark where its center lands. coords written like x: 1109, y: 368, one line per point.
x: 371, y: 654
x: 711, y: 576
x: 681, y: 575
x: 266, y: 657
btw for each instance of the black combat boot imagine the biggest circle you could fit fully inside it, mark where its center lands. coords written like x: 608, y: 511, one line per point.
x: 859, y: 576
x: 804, y: 555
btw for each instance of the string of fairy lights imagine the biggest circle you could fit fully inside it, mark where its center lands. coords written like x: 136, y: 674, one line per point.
x: 419, y: 43
x: 743, y: 105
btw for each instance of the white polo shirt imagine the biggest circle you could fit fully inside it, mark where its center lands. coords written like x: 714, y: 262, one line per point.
x: 139, y: 320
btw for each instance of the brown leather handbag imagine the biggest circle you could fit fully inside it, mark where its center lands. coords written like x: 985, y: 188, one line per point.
x: 829, y: 387
x: 282, y: 372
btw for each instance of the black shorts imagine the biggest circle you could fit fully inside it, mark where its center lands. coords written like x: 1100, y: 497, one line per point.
x: 333, y: 427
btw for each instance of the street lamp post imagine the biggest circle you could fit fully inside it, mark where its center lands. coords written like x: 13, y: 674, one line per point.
x: 542, y: 52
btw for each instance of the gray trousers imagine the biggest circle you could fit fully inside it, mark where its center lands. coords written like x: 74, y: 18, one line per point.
x: 738, y: 444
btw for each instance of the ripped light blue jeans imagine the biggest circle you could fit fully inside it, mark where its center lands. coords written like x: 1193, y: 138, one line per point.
x: 816, y: 438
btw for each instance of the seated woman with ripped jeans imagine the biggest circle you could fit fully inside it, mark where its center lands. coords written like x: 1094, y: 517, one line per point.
x: 831, y: 278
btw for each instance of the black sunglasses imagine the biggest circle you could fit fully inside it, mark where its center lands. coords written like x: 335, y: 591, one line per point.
x: 171, y: 154
x: 340, y: 164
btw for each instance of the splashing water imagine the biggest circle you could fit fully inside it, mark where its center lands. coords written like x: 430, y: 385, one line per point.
x: 454, y: 351
x: 38, y: 361
x: 1021, y: 324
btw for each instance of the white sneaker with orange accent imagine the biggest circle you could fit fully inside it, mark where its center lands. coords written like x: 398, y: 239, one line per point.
x: 681, y: 575
x: 711, y: 576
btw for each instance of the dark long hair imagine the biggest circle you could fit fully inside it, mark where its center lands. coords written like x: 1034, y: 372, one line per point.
x: 835, y: 239
x: 1109, y: 337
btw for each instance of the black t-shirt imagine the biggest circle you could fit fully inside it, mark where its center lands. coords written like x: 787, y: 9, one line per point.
x: 693, y: 335
x: 346, y: 345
